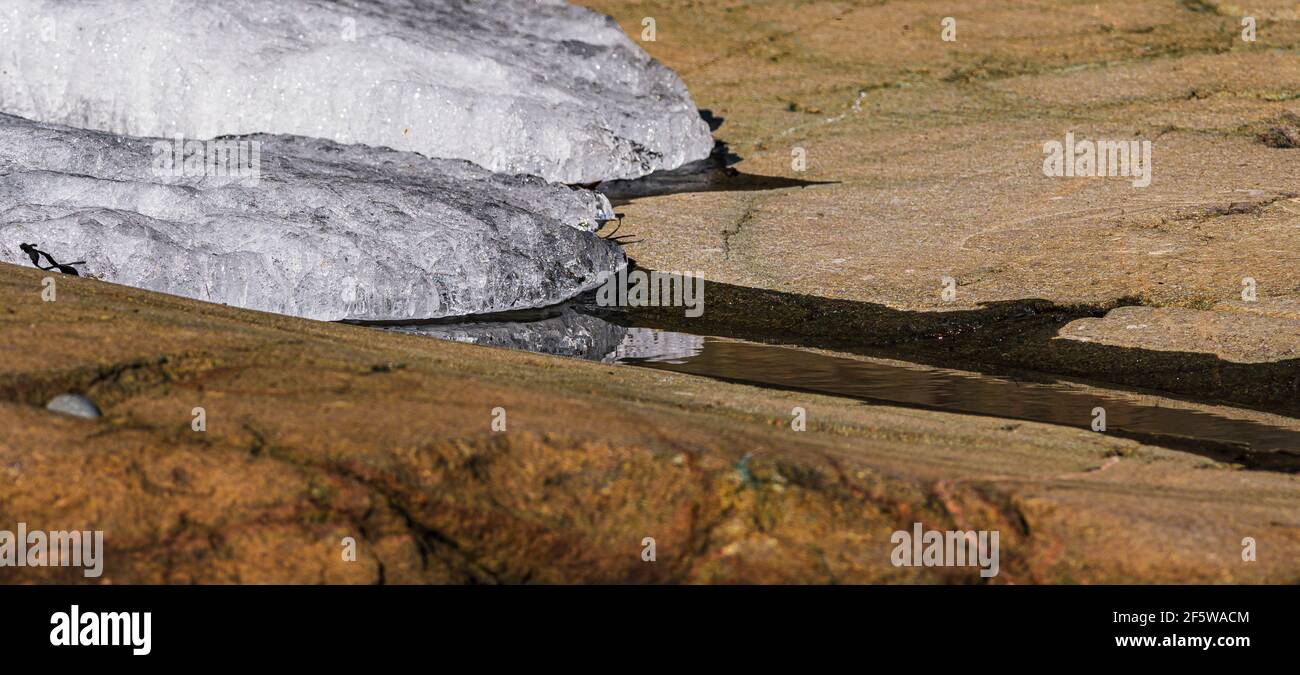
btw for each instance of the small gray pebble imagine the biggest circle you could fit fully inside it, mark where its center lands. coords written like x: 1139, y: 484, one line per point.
x: 75, y: 405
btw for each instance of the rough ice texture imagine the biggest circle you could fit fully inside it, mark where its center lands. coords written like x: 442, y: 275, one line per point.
x: 328, y: 232
x: 572, y: 334
x: 517, y: 86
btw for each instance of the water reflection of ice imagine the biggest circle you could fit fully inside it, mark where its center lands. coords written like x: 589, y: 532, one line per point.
x: 648, y: 344
x: 572, y: 334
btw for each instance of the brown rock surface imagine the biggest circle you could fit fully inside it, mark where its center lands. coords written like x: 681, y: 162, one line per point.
x: 927, y: 155
x: 1234, y: 336
x: 322, y: 431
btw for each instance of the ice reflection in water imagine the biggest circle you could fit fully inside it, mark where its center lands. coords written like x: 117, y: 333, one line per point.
x: 572, y: 334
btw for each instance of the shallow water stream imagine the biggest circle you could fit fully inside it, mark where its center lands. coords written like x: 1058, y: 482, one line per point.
x: 1217, y: 432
